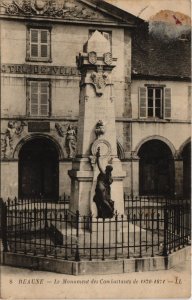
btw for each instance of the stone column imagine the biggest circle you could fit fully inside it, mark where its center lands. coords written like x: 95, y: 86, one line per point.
x: 178, y: 162
x: 96, y: 127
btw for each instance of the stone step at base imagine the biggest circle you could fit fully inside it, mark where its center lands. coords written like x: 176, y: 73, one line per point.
x: 106, y: 237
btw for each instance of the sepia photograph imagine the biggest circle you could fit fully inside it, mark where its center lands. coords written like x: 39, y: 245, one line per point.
x: 95, y: 164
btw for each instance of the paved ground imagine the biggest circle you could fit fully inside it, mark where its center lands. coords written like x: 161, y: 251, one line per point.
x: 26, y: 284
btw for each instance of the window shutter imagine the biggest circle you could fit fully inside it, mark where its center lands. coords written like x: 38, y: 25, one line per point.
x: 28, y: 95
x: 34, y: 98
x: 142, y: 102
x: 189, y: 102
x: 44, y: 98
x: 34, y: 36
x: 167, y: 103
x: 44, y: 43
x: 34, y: 43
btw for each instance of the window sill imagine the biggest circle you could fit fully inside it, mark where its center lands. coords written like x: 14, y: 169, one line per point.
x: 154, y: 120
x: 39, y: 117
x: 47, y: 60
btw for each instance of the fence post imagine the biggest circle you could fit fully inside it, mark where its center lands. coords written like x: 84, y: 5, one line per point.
x: 77, y: 256
x: 165, y: 245
x: 4, y: 224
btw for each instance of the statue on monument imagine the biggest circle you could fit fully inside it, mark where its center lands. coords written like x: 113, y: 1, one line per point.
x: 71, y: 138
x: 102, y: 198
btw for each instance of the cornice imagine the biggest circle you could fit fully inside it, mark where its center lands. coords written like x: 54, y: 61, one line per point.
x: 64, y: 11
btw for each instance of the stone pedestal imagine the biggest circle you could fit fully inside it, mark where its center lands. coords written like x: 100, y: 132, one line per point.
x: 9, y: 179
x: 96, y: 128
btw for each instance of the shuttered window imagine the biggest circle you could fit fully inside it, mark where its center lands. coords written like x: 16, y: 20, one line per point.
x: 189, y: 102
x: 39, y: 98
x: 155, y: 102
x: 143, y: 102
x: 167, y: 103
x: 39, y: 44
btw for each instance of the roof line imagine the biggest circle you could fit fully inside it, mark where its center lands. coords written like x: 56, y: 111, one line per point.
x: 161, y: 76
x: 110, y: 9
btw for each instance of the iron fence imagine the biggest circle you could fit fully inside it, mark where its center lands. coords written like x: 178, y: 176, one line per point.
x: 148, y: 228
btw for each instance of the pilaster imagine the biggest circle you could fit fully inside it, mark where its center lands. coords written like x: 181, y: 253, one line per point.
x: 178, y: 162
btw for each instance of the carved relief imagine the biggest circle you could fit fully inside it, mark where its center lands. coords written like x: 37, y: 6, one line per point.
x: 108, y: 59
x: 105, y: 148
x: 69, y: 134
x: 14, y: 130
x: 59, y: 129
x: 92, y: 57
x: 99, y: 128
x: 100, y: 80
x: 105, y: 151
x: 59, y: 9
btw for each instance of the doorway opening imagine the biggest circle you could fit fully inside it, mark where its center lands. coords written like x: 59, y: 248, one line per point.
x: 156, y: 169
x: 186, y: 154
x: 39, y: 170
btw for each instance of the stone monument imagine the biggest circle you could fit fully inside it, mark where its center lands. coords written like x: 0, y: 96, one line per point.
x: 96, y: 128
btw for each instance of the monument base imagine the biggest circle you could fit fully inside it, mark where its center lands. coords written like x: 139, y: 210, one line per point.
x: 83, y: 184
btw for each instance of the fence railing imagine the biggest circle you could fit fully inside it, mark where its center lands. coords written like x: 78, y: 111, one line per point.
x: 149, y: 228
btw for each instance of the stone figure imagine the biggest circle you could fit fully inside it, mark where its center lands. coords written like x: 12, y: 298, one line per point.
x: 102, y: 198
x: 99, y: 128
x: 14, y: 129
x: 71, y: 138
x: 59, y: 129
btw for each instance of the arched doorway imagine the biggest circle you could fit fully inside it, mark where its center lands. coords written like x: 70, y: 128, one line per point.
x: 186, y: 154
x: 156, y: 169
x: 39, y: 169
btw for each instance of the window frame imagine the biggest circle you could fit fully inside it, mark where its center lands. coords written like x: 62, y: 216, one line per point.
x: 39, y: 28
x: 165, y: 102
x: 154, y: 105
x: 28, y: 97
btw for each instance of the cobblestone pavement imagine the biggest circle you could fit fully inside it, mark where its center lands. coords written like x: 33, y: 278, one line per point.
x: 27, y: 284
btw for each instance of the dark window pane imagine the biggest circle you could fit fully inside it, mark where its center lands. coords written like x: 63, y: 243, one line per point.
x: 150, y: 112
x: 158, y: 112
x: 157, y: 93
x: 150, y: 93
x: 150, y: 102
x: 157, y: 103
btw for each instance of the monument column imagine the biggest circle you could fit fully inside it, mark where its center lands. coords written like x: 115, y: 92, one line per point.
x: 96, y: 127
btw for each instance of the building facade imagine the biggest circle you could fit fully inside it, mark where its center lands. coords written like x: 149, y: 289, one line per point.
x: 40, y: 41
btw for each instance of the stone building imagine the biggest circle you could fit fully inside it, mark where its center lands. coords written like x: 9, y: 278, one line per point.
x: 40, y: 41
